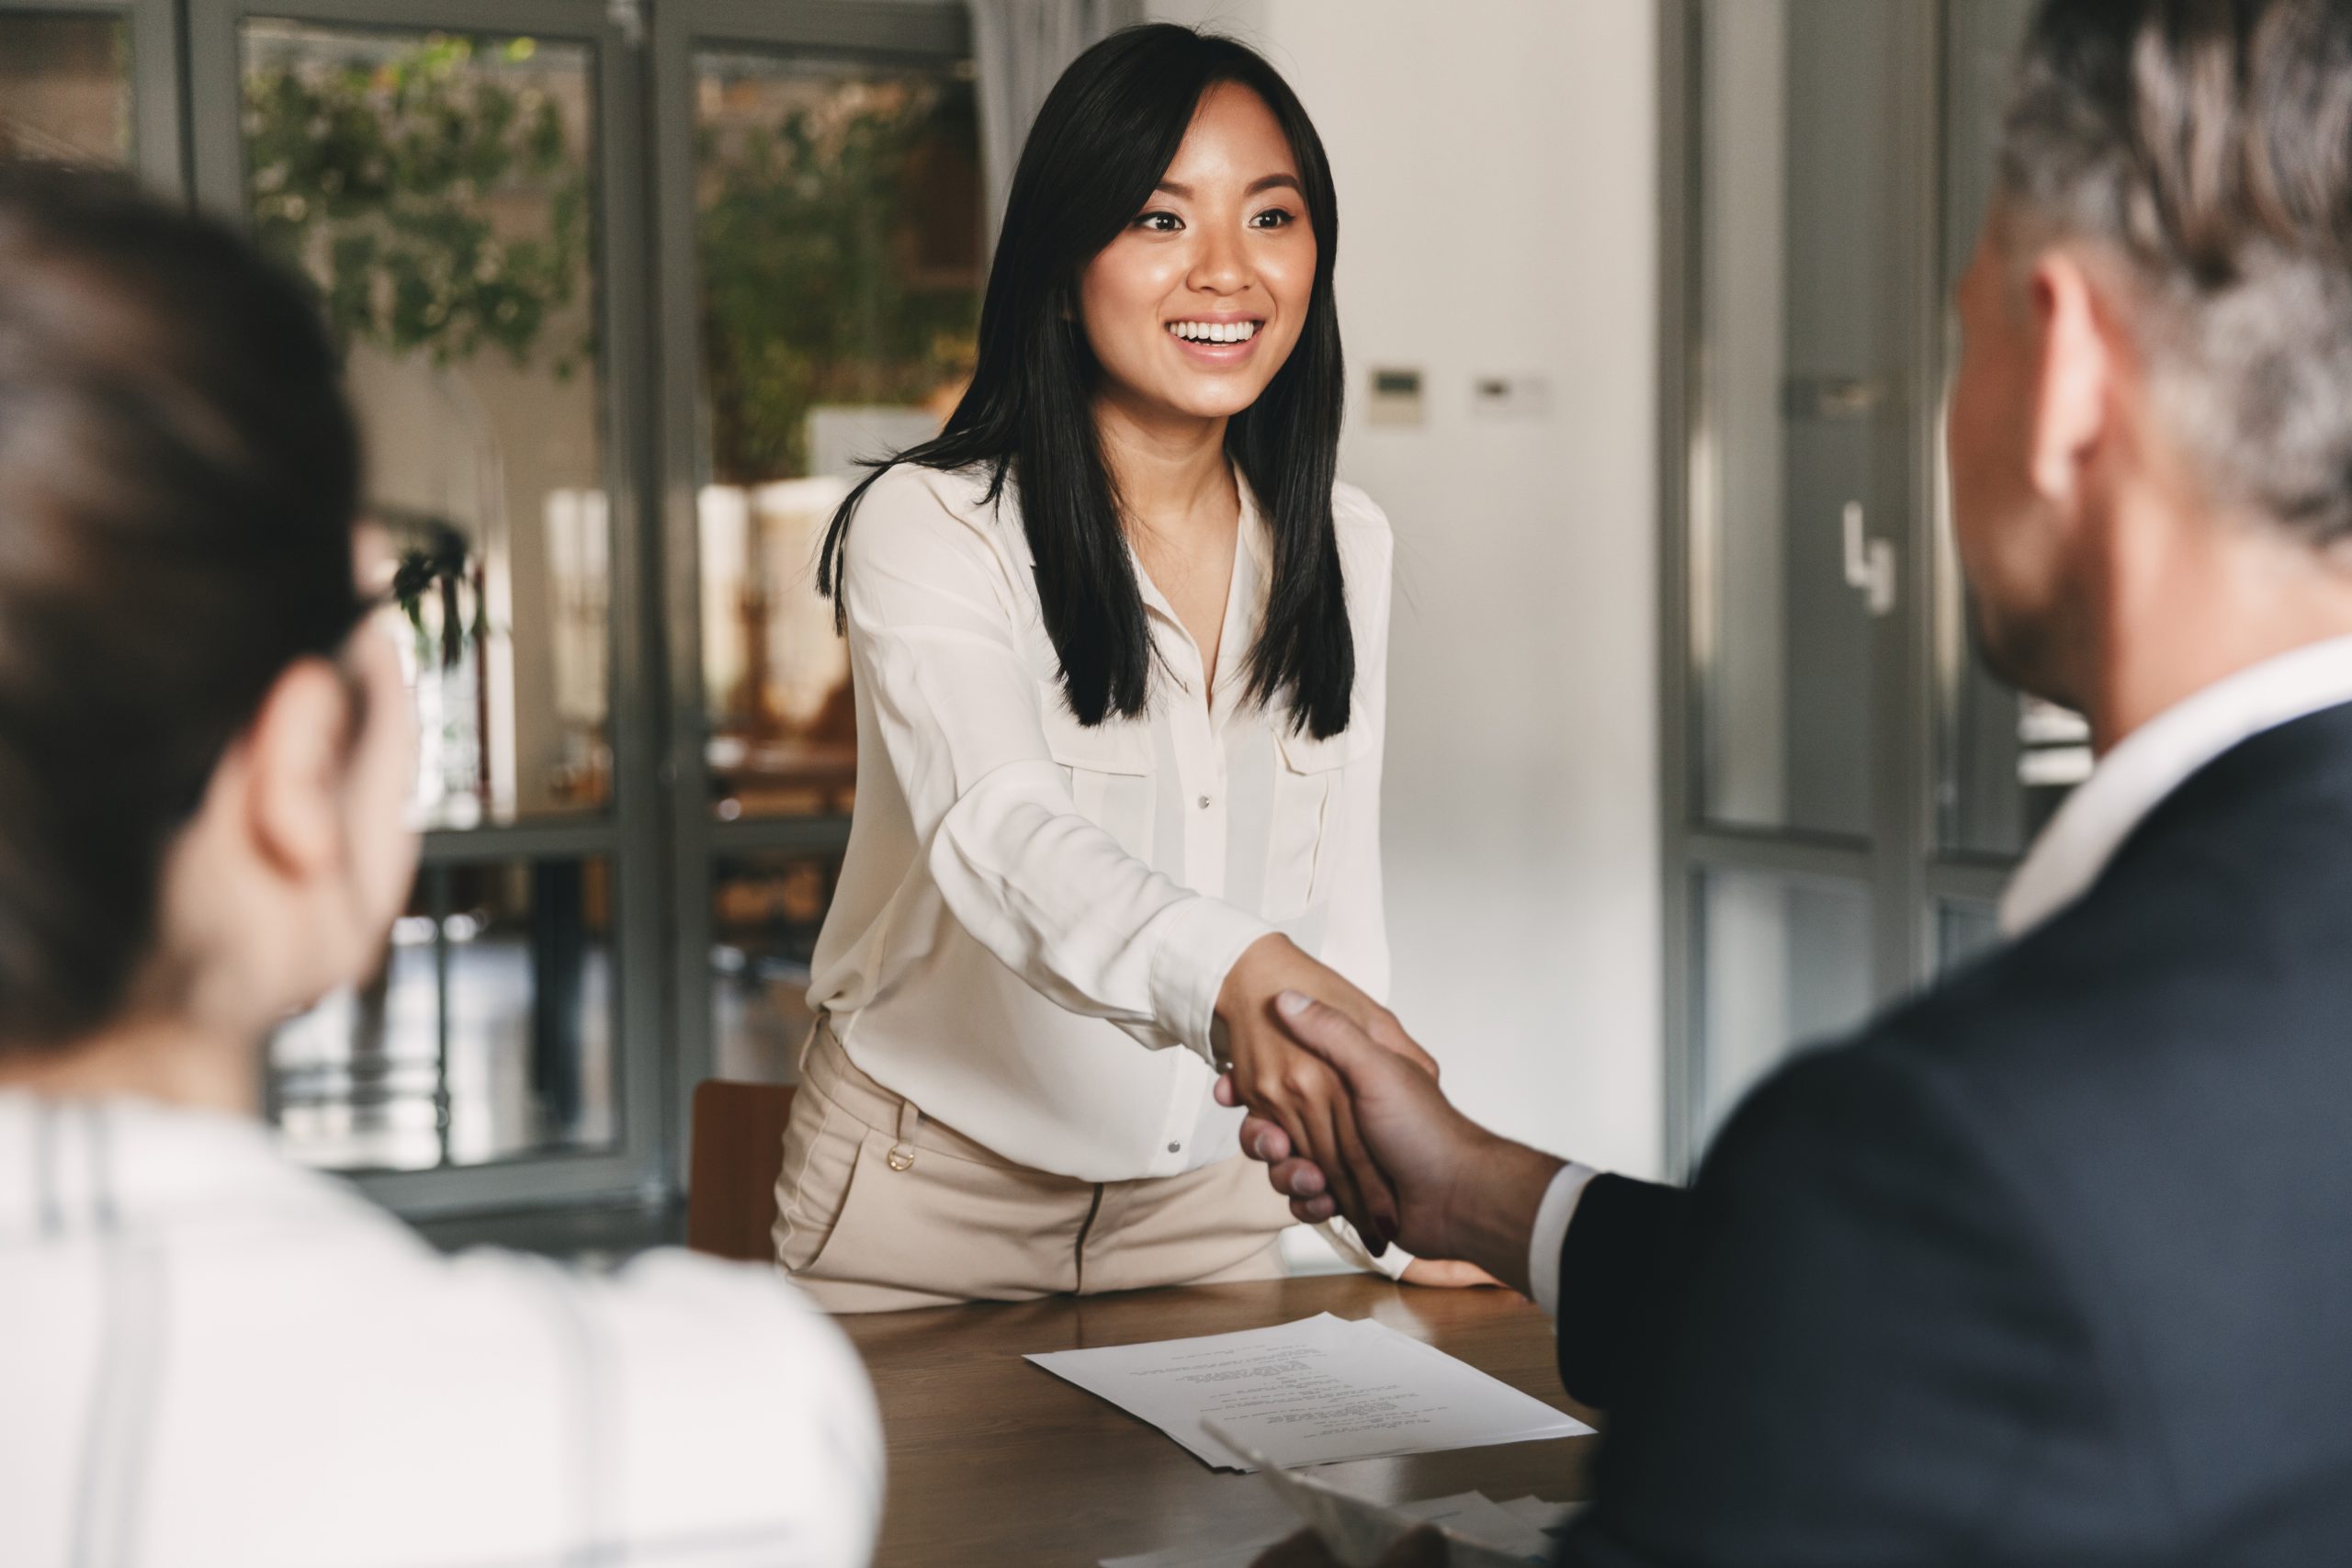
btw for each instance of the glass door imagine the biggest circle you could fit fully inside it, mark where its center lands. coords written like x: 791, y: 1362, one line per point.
x: 821, y: 222
x: 458, y: 181
x: 1846, y: 785
x: 640, y: 752
x: 1799, y: 146
x: 94, y: 82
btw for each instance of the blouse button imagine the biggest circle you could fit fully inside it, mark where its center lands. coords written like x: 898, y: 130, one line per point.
x: 1175, y: 1149
x: 1205, y: 803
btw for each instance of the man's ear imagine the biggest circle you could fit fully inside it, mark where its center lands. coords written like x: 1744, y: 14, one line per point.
x: 290, y: 765
x: 2071, y: 390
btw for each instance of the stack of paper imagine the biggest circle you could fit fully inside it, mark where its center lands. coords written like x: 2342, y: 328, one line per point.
x: 1317, y: 1391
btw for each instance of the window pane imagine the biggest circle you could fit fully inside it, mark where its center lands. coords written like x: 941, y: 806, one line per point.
x: 838, y: 239
x: 2007, y: 760
x: 487, y: 1034
x: 1783, y: 962
x: 440, y: 188
x: 1800, y: 452
x: 1964, y: 929
x: 65, y: 88
x: 765, y: 913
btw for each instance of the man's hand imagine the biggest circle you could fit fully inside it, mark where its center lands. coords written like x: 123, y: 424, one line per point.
x: 1294, y: 1091
x: 1425, y: 1548
x: 1421, y: 1142
x: 1461, y: 1191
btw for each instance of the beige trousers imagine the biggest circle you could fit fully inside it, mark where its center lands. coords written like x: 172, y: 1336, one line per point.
x: 879, y: 1208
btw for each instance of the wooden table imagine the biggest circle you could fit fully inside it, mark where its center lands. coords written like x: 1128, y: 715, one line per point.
x: 994, y: 1461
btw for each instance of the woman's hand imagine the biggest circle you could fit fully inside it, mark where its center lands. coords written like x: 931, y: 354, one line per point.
x: 1290, y: 1087
x: 1274, y: 964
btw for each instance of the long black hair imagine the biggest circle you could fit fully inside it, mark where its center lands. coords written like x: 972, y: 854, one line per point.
x: 1106, y: 134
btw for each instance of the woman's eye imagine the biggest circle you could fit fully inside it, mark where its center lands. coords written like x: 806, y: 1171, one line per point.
x: 1159, y: 222
x: 1274, y: 218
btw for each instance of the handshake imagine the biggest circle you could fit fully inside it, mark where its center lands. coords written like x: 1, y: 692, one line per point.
x: 1346, y: 1113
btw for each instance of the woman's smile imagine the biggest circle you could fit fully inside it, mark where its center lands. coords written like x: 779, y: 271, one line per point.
x: 1216, y: 342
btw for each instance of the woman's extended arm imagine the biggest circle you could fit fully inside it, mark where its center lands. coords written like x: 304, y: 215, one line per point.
x: 937, y: 643
x: 935, y: 640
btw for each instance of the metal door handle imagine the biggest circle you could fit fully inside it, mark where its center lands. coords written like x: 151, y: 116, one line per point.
x: 1869, y: 564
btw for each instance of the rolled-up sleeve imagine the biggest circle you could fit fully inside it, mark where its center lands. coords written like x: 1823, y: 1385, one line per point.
x: 936, y: 641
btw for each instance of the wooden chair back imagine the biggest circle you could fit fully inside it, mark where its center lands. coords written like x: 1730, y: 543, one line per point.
x: 737, y: 1155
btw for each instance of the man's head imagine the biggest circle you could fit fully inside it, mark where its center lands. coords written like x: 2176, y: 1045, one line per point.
x: 2158, y: 321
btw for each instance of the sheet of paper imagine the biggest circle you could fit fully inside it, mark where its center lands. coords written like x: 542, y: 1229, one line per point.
x: 1358, y: 1531
x: 1476, y: 1519
x: 1549, y: 1517
x: 1318, y: 1391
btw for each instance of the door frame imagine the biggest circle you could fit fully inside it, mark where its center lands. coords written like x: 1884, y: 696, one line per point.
x: 628, y: 836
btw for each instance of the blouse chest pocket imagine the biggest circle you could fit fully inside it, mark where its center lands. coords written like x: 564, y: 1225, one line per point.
x: 1310, y: 808
x: 1109, y: 767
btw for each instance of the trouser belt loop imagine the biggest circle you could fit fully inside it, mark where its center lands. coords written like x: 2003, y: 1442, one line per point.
x: 902, y: 1153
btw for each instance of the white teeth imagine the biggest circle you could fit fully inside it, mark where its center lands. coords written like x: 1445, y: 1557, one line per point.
x: 1214, y: 332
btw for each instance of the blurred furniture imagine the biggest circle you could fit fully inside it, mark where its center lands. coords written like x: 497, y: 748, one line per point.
x: 738, y: 1154
x: 994, y: 1460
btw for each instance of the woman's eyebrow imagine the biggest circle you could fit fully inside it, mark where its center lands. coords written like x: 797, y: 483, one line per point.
x: 1263, y: 182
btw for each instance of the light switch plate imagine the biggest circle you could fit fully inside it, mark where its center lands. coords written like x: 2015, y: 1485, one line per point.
x: 1396, y: 397
x: 1512, y: 397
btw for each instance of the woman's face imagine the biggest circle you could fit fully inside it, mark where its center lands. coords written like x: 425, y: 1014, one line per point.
x: 1196, y: 305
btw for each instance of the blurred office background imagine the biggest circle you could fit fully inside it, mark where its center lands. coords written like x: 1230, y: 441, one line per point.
x: 1644, y: 308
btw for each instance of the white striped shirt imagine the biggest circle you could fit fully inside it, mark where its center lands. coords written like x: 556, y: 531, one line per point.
x: 210, y: 1356
x: 1032, y: 912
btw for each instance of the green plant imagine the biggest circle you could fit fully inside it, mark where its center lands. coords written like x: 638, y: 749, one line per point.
x: 384, y: 179
x: 387, y: 181
x: 812, y: 290
x: 439, y: 566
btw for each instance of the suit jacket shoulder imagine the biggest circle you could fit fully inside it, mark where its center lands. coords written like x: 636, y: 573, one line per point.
x: 2049, y: 1265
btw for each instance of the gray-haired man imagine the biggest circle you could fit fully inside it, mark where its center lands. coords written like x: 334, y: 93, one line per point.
x: 2051, y: 1265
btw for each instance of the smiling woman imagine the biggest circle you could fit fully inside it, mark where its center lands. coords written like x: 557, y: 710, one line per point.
x: 1118, y: 639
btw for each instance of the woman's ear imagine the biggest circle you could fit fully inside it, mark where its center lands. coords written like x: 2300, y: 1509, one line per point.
x: 289, y: 766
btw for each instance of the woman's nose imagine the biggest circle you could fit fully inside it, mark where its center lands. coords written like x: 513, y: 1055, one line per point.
x: 1219, y: 266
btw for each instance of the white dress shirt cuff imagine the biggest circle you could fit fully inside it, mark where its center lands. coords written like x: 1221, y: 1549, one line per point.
x: 1552, y: 1217
x: 1200, y: 941
x: 1393, y: 1262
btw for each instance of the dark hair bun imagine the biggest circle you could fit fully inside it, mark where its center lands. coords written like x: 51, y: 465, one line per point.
x: 179, y: 472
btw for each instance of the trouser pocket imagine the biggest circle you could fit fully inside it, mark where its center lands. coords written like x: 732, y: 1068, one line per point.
x: 820, y: 1148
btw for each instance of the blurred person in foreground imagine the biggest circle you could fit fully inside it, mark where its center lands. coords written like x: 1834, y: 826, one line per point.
x: 2051, y: 1264
x: 207, y: 1354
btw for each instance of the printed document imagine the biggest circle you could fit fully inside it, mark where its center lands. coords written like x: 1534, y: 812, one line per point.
x: 1318, y: 1391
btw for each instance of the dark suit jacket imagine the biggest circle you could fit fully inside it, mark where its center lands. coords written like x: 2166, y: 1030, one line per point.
x: 2053, y: 1265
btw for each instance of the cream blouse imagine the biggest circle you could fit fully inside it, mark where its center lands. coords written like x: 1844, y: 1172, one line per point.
x: 1035, y: 918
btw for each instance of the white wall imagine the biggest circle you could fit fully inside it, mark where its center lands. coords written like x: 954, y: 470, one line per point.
x: 1496, y: 175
